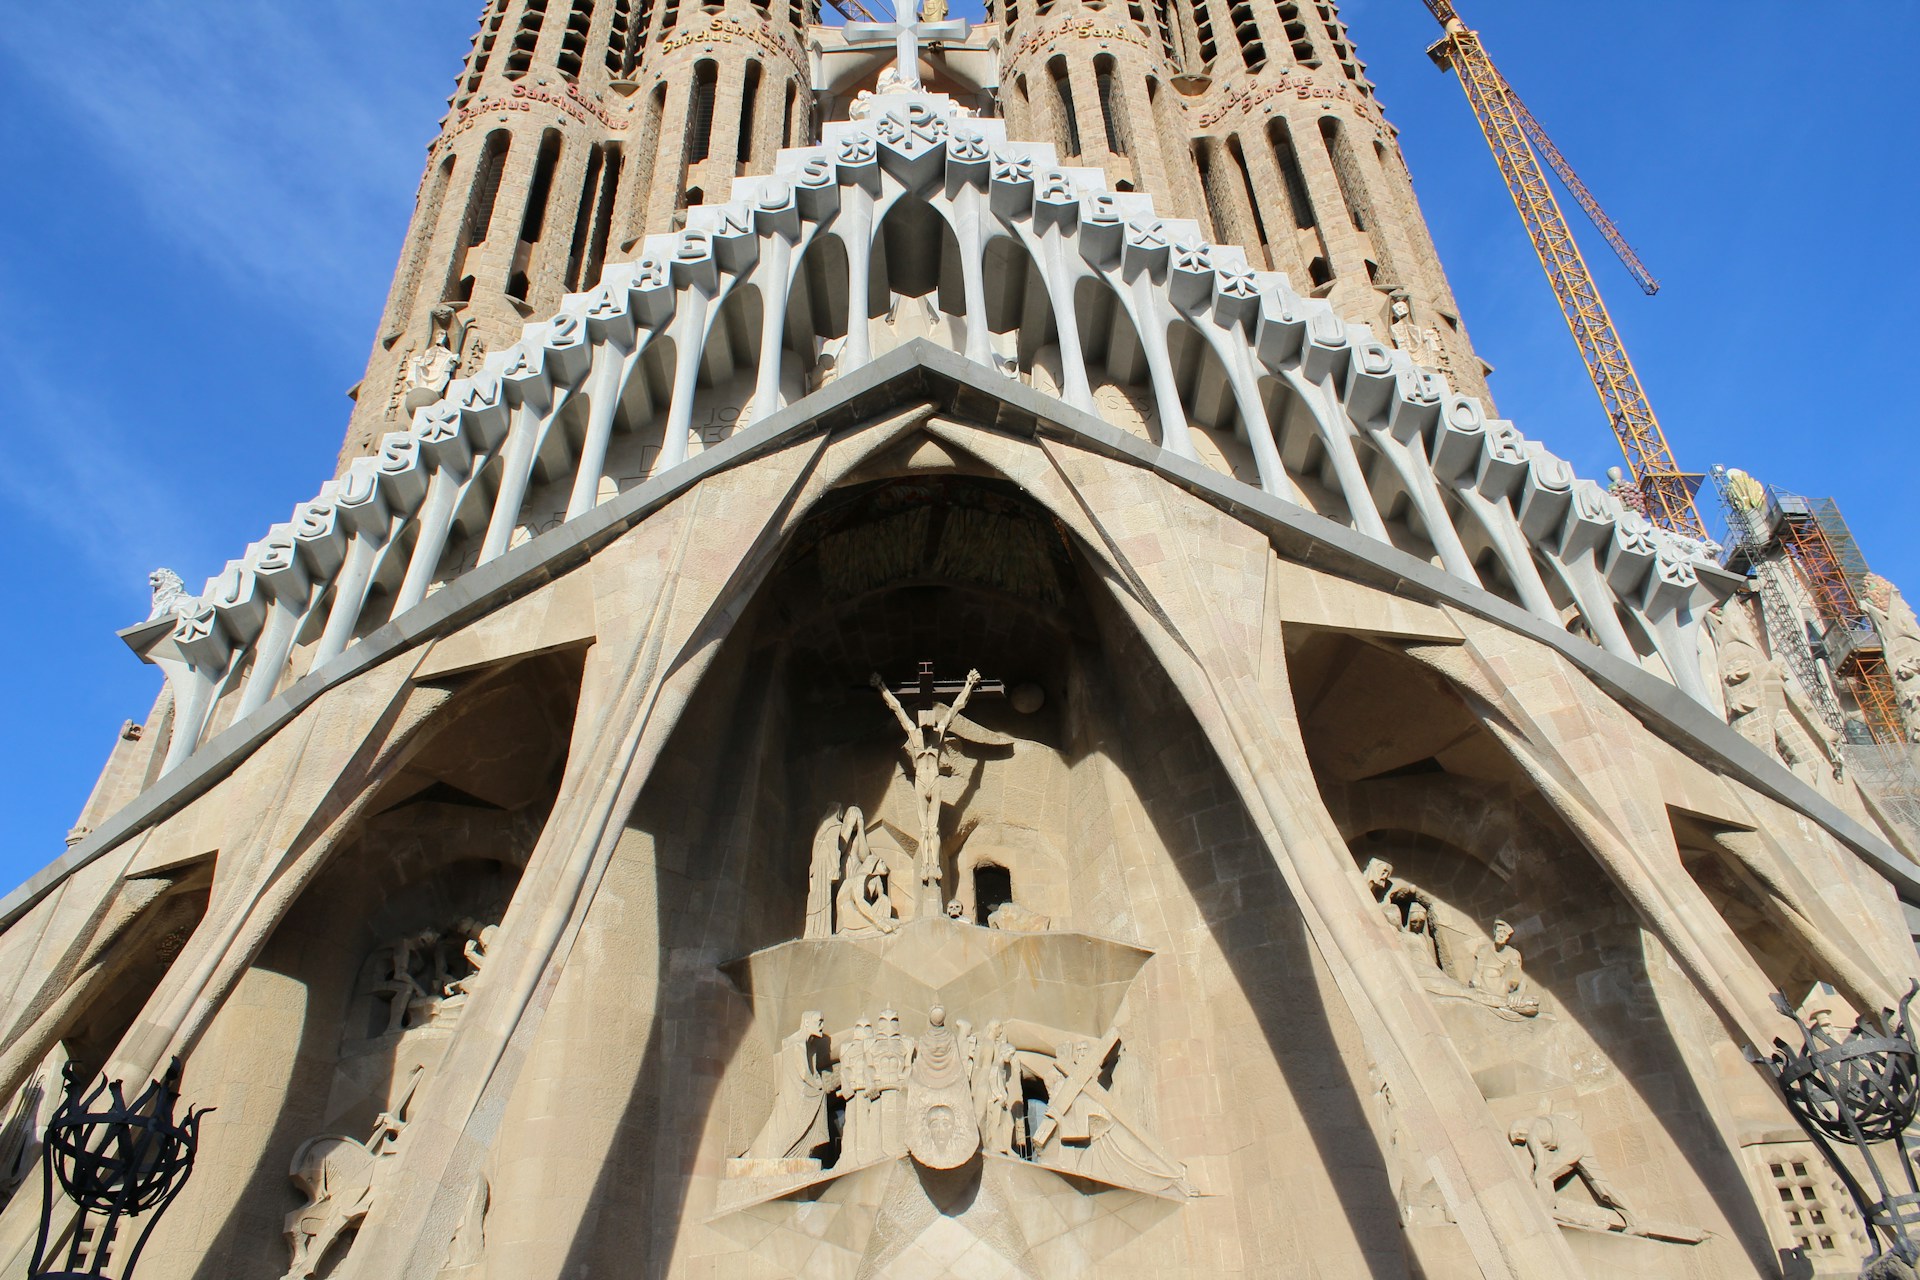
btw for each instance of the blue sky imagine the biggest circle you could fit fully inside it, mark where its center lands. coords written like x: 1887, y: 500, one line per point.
x: 206, y: 201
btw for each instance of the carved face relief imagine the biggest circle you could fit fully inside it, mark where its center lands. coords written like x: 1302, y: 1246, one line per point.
x: 1379, y: 874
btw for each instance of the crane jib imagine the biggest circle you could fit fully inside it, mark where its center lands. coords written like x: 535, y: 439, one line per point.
x: 1513, y: 135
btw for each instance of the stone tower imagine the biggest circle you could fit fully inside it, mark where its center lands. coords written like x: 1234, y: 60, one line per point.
x: 1256, y: 117
x: 944, y: 718
x: 579, y: 125
x: 576, y: 127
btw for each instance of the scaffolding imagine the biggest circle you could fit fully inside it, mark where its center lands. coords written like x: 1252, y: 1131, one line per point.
x: 1830, y: 563
x: 1776, y: 537
x: 1750, y: 547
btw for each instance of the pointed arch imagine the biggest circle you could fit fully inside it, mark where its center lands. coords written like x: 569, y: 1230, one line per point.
x: 817, y: 305
x: 639, y: 426
x: 1302, y: 448
x: 1213, y: 416
x: 1116, y: 360
x: 903, y: 266
x: 1019, y: 313
x: 729, y: 364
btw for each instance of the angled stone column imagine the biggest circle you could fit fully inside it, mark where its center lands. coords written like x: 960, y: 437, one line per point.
x: 1583, y: 761
x: 666, y: 596
x: 312, y: 781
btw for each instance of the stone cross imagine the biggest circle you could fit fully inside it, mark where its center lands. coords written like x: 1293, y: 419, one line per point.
x: 905, y: 33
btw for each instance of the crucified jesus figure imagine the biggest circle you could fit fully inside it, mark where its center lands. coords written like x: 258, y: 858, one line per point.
x: 926, y: 740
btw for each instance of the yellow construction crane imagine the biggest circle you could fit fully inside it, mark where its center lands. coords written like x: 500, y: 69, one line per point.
x: 1508, y: 125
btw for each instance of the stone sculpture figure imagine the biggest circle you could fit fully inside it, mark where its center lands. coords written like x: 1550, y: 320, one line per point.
x: 859, y: 1127
x: 969, y: 1047
x: 864, y: 904
x: 338, y: 1175
x: 1015, y: 918
x: 1387, y: 888
x: 170, y: 598
x: 943, y: 1130
x: 1746, y: 675
x: 409, y: 1000
x: 1084, y: 1132
x: 925, y: 748
x: 1418, y: 936
x: 1497, y: 975
x: 429, y: 372
x: 996, y: 1089
x: 479, y: 941
x: 889, y: 1057
x: 823, y: 874
x: 1410, y: 911
x: 802, y: 1075
x: 1561, y: 1151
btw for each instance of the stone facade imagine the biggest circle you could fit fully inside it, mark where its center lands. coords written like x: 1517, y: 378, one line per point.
x: 937, y: 722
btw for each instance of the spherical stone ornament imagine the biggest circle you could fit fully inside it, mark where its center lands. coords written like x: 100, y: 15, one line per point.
x: 1027, y: 698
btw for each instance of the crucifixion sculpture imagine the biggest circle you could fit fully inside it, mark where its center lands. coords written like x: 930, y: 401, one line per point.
x: 906, y: 32
x: 926, y: 742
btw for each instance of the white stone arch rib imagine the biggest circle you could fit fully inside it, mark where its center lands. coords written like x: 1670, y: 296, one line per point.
x: 375, y: 539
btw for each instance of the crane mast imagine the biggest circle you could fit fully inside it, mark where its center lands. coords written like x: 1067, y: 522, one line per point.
x: 1668, y: 491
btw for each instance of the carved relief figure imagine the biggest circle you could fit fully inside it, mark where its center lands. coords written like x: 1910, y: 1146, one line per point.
x: 339, y: 1177
x: 823, y: 875
x: 859, y: 1129
x: 1084, y: 1132
x: 1410, y: 911
x: 941, y: 1098
x: 996, y: 1089
x: 426, y: 977
x: 849, y: 879
x: 943, y: 1130
x: 889, y: 1057
x: 1561, y: 1151
x: 1489, y: 976
x: 802, y: 1075
x: 864, y: 904
x: 1746, y: 675
x: 429, y: 372
x: 479, y: 940
x: 1422, y: 342
x: 1016, y: 918
x: 1418, y: 936
x: 408, y: 999
x: 170, y: 598
x: 1497, y: 974
x: 925, y: 748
